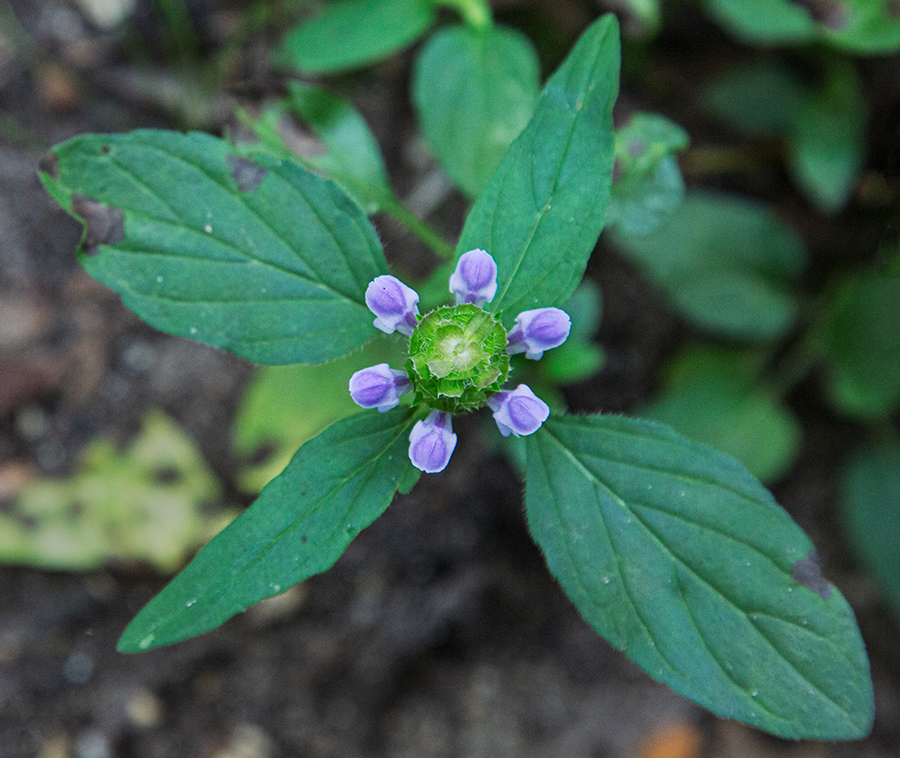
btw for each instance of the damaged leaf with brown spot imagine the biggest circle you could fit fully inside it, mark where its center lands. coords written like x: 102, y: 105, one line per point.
x: 247, y: 253
x: 247, y: 174
x: 104, y: 224
x: 679, y: 557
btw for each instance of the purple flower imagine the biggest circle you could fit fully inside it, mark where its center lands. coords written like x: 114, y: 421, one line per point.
x: 431, y: 442
x: 379, y: 387
x: 518, y: 411
x: 394, y: 304
x: 475, y: 278
x: 538, y: 330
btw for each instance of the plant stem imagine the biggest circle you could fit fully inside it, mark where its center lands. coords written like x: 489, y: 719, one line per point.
x: 420, y: 229
x: 184, y: 44
x: 476, y: 13
x: 795, y: 366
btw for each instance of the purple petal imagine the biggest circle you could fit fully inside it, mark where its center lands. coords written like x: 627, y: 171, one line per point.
x: 538, y: 330
x: 475, y: 278
x: 431, y: 443
x: 519, y: 411
x: 379, y: 387
x: 394, y: 305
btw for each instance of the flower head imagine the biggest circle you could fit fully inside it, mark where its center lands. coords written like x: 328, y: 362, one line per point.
x: 458, y: 359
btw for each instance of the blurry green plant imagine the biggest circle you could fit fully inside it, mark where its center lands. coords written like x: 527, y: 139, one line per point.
x: 864, y: 27
x: 823, y: 127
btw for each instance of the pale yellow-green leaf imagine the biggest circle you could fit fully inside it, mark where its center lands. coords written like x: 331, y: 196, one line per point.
x: 284, y: 406
x: 146, y: 504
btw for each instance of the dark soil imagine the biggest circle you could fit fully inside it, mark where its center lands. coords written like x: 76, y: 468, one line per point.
x: 439, y: 632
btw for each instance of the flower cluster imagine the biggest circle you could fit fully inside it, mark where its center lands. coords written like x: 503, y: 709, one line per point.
x: 458, y: 358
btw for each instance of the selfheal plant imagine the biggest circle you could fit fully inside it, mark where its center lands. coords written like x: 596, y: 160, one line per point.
x: 458, y: 358
x: 670, y: 550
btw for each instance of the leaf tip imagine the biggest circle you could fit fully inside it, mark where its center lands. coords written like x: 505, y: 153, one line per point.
x: 49, y: 164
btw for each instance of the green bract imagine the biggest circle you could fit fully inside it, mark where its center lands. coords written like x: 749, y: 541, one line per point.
x: 457, y: 358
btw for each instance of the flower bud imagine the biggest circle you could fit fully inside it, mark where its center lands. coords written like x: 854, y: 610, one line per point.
x: 538, y: 330
x: 431, y: 442
x: 475, y: 278
x: 518, y: 411
x: 379, y: 387
x: 394, y: 304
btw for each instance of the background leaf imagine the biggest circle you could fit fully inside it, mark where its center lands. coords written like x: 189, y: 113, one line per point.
x: 679, y: 557
x: 579, y: 357
x: 870, y: 507
x: 760, y: 100
x: 828, y: 140
x: 336, y: 485
x: 860, y: 337
x: 647, y: 183
x: 644, y: 202
x: 763, y: 21
x: 474, y: 91
x: 824, y: 127
x: 726, y: 263
x: 353, y: 33
x: 145, y: 504
x: 353, y: 159
x: 284, y: 406
x: 866, y: 27
x: 714, y: 396
x: 256, y: 256
x: 543, y: 210
x: 871, y: 27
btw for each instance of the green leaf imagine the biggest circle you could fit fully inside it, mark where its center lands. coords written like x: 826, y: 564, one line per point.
x: 336, y: 485
x: 762, y: 99
x: 284, y: 406
x: 251, y: 254
x: 866, y: 27
x: 145, y: 504
x: 353, y: 159
x: 646, y: 140
x: 860, y: 337
x: 726, y: 263
x: 828, y: 140
x: 644, y: 202
x: 870, y: 27
x: 474, y: 91
x: 763, y: 21
x: 870, y: 507
x: 543, y: 210
x: 679, y: 557
x: 647, y: 184
x: 642, y: 18
x: 355, y: 33
x: 713, y: 395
